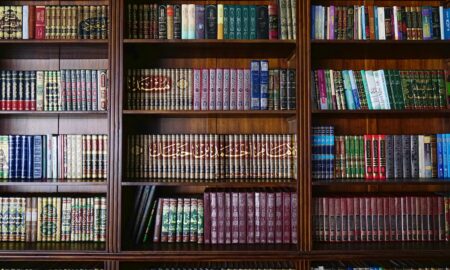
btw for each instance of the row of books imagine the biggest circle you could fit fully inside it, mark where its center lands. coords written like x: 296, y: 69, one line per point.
x: 380, y: 23
x: 379, y: 157
x: 221, y: 21
x: 211, y: 157
x: 390, y: 265
x: 250, y: 265
x: 380, y: 89
x: 257, y: 88
x: 53, y: 219
x: 36, y: 157
x: 58, y: 90
x: 394, y: 218
x: 54, y: 22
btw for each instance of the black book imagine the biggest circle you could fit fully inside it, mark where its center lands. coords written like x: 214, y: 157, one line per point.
x: 415, y: 156
x: 406, y: 156
x: 283, y: 89
x: 211, y: 22
x: 145, y: 214
x: 162, y: 21
x: 177, y: 22
x: 262, y: 22
x: 291, y: 89
x: 436, y: 28
x: 390, y: 157
x: 398, y: 160
x: 141, y: 198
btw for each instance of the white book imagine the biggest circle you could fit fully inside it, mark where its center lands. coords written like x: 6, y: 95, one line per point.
x: 25, y: 22
x: 233, y: 89
x: 333, y: 93
x: 184, y: 21
x: 212, y: 89
x: 197, y: 89
x: 240, y: 89
x: 379, y: 88
x: 79, y: 156
x: 247, y: 89
x: 204, y: 90
x: 191, y: 21
x: 39, y: 90
x: 385, y: 91
x: 421, y: 157
x: 441, y: 21
x: 328, y: 23
x: 373, y: 91
x: 55, y: 157
x: 322, y: 23
x: 395, y: 10
x: 381, y: 27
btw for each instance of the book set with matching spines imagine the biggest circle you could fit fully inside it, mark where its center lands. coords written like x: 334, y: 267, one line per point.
x: 250, y: 265
x: 212, y: 157
x: 266, y: 216
x: 390, y: 265
x: 40, y: 157
x: 63, y: 90
x: 380, y: 23
x: 257, y: 88
x: 53, y: 219
x: 376, y: 219
x: 221, y: 21
x: 379, y: 157
x: 380, y: 89
x: 53, y: 22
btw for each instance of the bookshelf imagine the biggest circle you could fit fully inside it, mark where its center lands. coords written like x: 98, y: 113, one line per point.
x: 119, y: 53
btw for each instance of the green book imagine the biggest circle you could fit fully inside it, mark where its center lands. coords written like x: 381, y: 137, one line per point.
x: 435, y: 88
x: 361, y: 156
x: 172, y: 220
x: 200, y: 225
x: 238, y: 26
x: 356, y: 157
x: 226, y: 22
x: 245, y: 20
x: 186, y: 219
x: 232, y: 21
x: 179, y: 227
x: 328, y: 89
x: 348, y: 168
x: 165, y: 220
x: 252, y: 14
x: 194, y: 221
x: 398, y: 90
x: 442, y: 85
x: 408, y: 96
x: 388, y: 76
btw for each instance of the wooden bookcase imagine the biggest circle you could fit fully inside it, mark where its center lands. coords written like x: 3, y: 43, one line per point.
x: 119, y: 53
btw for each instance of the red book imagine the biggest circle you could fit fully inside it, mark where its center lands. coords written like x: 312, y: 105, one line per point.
x: 350, y: 219
x: 278, y: 217
x: 398, y: 218
x: 357, y: 218
x: 386, y: 219
x: 404, y: 212
x: 234, y: 218
x: 344, y: 219
x: 415, y: 205
x: 332, y: 219
x: 294, y: 218
x: 270, y: 217
x: 263, y: 217
x: 257, y: 217
x: 326, y: 220
x: 31, y: 21
x: 374, y: 217
x: 227, y: 217
x: 429, y: 215
x: 422, y: 213
x: 214, y: 226
x: 380, y: 218
x: 364, y: 219
x: 382, y: 157
x: 250, y: 218
x: 40, y: 22
x: 273, y: 29
x: 220, y: 218
x: 207, y: 217
x: 242, y: 217
x: 435, y: 220
x: 338, y: 219
x: 375, y: 157
x: 286, y: 217
x: 392, y: 219
x: 441, y: 218
x: 368, y: 156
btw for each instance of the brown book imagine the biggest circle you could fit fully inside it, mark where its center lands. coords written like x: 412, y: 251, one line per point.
x: 170, y: 13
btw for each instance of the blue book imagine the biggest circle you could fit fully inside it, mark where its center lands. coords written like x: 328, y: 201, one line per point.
x: 444, y: 156
x: 313, y: 21
x: 200, y: 21
x: 264, y: 84
x: 245, y: 19
x: 17, y: 156
x: 11, y: 152
x: 375, y: 24
x: 30, y: 142
x: 37, y: 157
x: 447, y: 157
x: 427, y: 23
x: 252, y: 15
x: 354, y: 89
x: 238, y: 12
x: 440, y: 156
x: 255, y: 85
x: 226, y: 22
x: 23, y: 158
x: 446, y: 23
x: 348, y: 91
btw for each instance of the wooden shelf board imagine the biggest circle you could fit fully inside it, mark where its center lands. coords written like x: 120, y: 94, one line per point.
x: 53, y: 41
x: 221, y: 185
x: 409, y: 113
x: 51, y: 183
x: 401, y: 42
x: 209, y: 41
x: 48, y: 248
x: 395, y: 186
x: 53, y: 112
x: 192, y: 113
